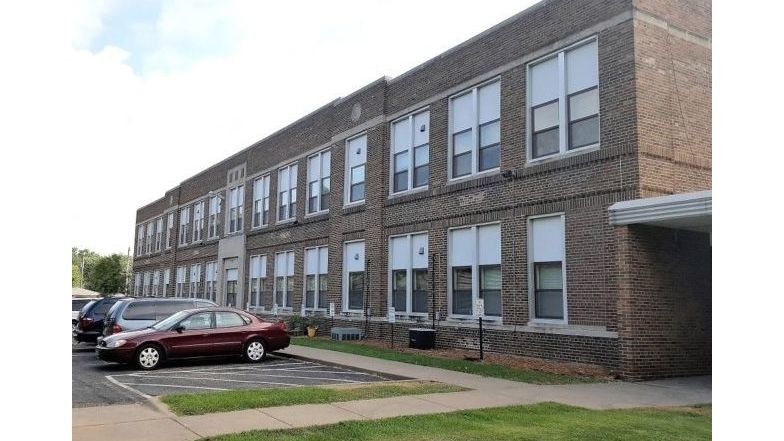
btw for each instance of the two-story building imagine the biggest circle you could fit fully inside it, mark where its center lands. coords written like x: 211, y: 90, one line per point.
x: 556, y: 166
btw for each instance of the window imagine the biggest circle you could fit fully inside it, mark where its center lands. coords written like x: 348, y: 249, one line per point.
x: 410, y: 160
x: 166, y: 281
x: 196, y: 281
x: 228, y: 320
x: 140, y: 240
x: 169, y: 230
x: 356, y: 156
x: 231, y: 287
x: 546, y: 252
x: 408, y: 266
x: 258, y: 272
x: 181, y: 287
x: 146, y: 284
x: 184, y: 215
x: 198, y: 221
x: 158, y: 234
x: 137, y: 284
x: 210, y: 280
x: 139, y: 311
x: 236, y: 201
x: 354, y: 276
x: 316, y: 261
x: 150, y: 235
x: 284, y: 278
x: 564, y: 87
x: 475, y: 267
x: 475, y: 130
x: 202, y: 320
x: 213, y: 222
x: 261, y: 196
x: 287, y: 192
x: 319, y: 181
x: 156, y: 283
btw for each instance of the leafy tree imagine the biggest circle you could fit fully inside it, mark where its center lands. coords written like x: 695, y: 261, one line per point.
x: 85, y: 260
x: 108, y: 274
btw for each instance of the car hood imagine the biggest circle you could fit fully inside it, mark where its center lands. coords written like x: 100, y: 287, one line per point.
x: 127, y: 335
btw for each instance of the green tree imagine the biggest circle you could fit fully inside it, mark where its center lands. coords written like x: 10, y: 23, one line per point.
x: 108, y: 274
x: 82, y: 262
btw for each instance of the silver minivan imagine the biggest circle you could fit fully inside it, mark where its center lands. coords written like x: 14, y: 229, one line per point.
x: 138, y: 313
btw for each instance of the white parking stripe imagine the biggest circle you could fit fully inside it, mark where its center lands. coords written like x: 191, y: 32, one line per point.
x: 214, y: 379
x: 178, y: 386
x: 122, y: 385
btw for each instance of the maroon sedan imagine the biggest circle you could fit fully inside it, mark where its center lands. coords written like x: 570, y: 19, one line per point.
x: 203, y: 332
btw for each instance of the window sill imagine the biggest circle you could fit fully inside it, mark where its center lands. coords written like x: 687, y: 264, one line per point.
x: 316, y: 214
x: 459, y: 318
x: 259, y: 227
x: 478, y: 175
x: 559, y: 156
x: 354, y: 208
x: 405, y: 193
x: 286, y: 221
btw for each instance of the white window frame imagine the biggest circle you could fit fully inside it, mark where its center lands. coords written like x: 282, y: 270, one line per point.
x: 156, y: 283
x: 347, y: 173
x: 474, y: 273
x: 238, y: 209
x: 318, y: 273
x: 563, y: 99
x: 137, y: 283
x: 158, y: 234
x: 261, y: 201
x: 344, y: 293
x: 198, y: 222
x: 150, y: 237
x: 146, y: 284
x: 184, y: 221
x: 169, y: 229
x: 409, y: 272
x: 290, y: 191
x: 211, y: 280
x: 411, y: 148
x: 181, y: 285
x: 213, y: 218
x: 195, y: 285
x: 140, y: 240
x: 289, y: 254
x: 531, y: 282
x: 320, y: 155
x: 263, y: 277
x: 474, y: 91
x: 166, y: 281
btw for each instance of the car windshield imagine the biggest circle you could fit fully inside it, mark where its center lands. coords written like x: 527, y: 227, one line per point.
x: 170, y: 321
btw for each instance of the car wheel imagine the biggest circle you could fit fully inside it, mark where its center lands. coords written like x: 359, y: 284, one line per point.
x: 73, y: 325
x: 255, y: 351
x: 149, y: 357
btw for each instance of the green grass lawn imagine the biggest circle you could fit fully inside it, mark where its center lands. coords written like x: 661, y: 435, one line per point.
x: 486, y: 369
x: 547, y: 421
x: 224, y: 401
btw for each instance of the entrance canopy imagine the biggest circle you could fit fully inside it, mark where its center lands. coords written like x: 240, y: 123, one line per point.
x: 684, y: 211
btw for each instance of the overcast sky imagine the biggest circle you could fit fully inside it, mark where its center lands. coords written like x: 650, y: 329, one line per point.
x: 158, y: 91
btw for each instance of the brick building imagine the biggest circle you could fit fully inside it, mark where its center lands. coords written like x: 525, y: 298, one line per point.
x: 558, y: 166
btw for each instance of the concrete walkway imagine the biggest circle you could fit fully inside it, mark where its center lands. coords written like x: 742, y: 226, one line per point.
x: 154, y: 421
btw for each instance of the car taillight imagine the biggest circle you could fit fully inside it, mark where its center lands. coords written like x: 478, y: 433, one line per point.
x: 86, y: 321
x: 116, y: 328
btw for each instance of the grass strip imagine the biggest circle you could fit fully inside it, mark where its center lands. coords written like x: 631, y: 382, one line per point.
x: 224, y: 401
x: 484, y: 369
x: 544, y: 421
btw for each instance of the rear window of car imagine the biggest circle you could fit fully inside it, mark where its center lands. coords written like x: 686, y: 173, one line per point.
x: 102, y: 307
x: 139, y: 311
x: 78, y: 304
x: 166, y: 308
x: 87, y: 306
x: 228, y: 319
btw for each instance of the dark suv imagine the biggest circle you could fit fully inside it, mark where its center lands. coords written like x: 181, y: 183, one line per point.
x: 90, y: 321
x: 130, y: 314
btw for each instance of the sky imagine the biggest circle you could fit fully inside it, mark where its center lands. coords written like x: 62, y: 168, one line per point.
x: 149, y: 93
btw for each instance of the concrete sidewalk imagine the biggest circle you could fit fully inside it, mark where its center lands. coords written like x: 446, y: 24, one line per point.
x: 154, y: 421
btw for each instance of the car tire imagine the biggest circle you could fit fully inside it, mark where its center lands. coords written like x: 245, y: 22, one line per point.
x: 255, y: 351
x: 74, y: 323
x: 149, y: 357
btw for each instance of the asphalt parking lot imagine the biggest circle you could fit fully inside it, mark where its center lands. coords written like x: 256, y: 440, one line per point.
x: 96, y: 383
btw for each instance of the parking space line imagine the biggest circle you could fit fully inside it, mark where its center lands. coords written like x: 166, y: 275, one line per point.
x: 117, y: 383
x: 177, y: 386
x: 213, y: 379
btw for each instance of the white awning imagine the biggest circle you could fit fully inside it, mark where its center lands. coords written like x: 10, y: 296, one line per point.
x: 685, y: 211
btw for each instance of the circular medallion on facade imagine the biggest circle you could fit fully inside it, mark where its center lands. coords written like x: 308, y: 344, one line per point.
x: 356, y: 112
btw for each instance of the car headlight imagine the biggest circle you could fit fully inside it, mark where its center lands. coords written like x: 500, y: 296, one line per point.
x: 116, y: 343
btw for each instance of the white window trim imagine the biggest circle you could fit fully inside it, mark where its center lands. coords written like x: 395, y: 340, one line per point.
x: 158, y: 234
x: 210, y: 215
x: 259, y: 305
x: 409, y: 274
x: 290, y: 218
x: 344, y: 294
x: 563, y: 123
x: 150, y: 238
x: 307, y: 183
x: 531, y: 282
x: 265, y: 190
x: 183, y: 234
x: 169, y: 230
x: 240, y: 210
x: 318, y: 293
x: 287, y: 276
x: 411, y: 189
x: 475, y: 173
x: 474, y: 275
x: 198, y: 223
x: 347, y: 174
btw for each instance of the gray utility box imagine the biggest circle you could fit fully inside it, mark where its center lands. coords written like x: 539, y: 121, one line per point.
x: 346, y: 334
x: 421, y: 338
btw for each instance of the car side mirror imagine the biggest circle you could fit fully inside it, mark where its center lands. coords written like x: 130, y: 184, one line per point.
x: 179, y: 329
